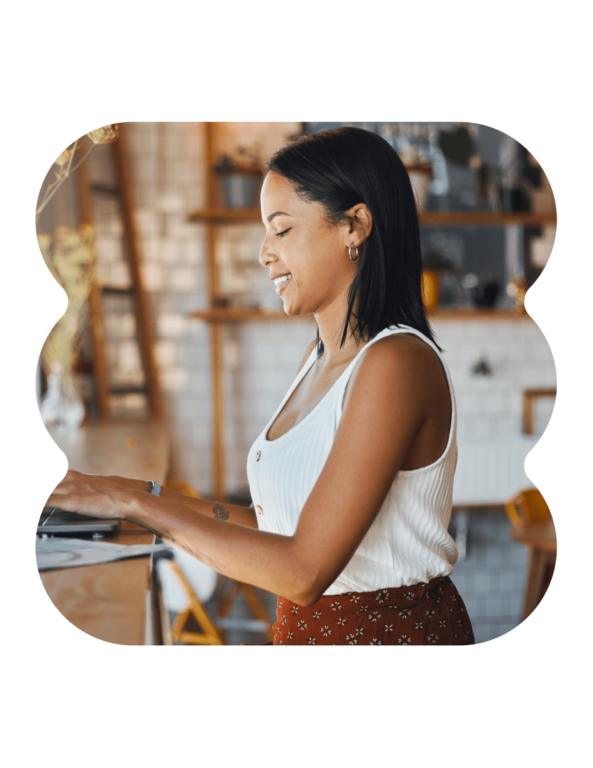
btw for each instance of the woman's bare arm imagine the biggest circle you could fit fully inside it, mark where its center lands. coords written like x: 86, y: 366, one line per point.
x: 241, y: 552
x: 233, y: 513
x: 390, y: 396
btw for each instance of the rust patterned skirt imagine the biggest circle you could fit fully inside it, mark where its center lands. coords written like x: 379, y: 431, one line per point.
x: 421, y: 614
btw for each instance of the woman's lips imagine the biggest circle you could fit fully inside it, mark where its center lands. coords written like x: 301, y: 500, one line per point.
x: 282, y: 286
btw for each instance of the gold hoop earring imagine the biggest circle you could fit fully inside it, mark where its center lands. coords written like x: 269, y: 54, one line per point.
x: 350, y: 252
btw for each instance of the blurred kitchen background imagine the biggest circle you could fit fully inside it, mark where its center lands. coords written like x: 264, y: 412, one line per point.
x: 183, y: 324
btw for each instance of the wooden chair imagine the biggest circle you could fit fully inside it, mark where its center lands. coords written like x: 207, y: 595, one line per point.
x: 531, y: 519
x: 185, y: 584
x: 192, y: 624
x: 529, y: 398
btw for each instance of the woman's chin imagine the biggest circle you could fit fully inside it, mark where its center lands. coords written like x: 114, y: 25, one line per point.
x: 291, y: 309
x: 288, y: 308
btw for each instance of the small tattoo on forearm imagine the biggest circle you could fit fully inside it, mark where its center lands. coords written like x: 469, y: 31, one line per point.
x: 220, y: 513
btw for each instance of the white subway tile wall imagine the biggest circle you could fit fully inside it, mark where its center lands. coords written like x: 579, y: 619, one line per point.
x: 261, y: 358
x: 491, y: 407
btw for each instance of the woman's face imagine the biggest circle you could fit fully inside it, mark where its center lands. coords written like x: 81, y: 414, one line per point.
x: 300, y: 242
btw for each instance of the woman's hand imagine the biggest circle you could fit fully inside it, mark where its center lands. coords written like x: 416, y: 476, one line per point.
x: 92, y: 495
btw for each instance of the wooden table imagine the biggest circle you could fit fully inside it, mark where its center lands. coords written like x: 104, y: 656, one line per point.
x: 112, y: 601
x: 540, y: 539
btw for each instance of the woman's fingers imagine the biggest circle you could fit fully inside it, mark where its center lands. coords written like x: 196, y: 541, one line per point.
x: 63, y: 488
x: 66, y: 503
x: 86, y: 494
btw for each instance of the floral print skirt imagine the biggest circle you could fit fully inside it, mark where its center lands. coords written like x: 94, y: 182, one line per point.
x: 421, y: 614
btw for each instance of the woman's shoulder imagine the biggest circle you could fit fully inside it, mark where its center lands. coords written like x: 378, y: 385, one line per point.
x: 399, y: 360
x: 401, y: 349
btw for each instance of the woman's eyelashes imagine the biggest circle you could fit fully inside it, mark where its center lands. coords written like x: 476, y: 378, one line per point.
x: 281, y: 234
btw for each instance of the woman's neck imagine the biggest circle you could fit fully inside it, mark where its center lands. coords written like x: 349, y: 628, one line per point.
x: 330, y: 322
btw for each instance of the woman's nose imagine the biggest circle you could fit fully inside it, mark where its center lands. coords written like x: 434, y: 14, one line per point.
x: 266, y: 256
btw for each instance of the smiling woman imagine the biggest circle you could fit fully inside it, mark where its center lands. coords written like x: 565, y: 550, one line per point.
x: 352, y: 477
x: 303, y: 250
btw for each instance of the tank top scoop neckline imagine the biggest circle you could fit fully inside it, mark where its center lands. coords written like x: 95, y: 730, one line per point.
x: 309, y: 364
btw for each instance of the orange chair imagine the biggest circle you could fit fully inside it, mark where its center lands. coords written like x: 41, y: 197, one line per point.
x: 528, y: 506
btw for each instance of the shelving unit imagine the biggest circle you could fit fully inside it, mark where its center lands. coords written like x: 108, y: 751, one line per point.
x: 212, y: 215
x: 122, y: 192
x: 426, y: 218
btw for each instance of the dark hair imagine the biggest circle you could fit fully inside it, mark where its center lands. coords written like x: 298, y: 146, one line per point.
x: 345, y: 166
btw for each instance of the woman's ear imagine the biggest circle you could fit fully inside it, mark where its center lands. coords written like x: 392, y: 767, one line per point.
x: 362, y: 229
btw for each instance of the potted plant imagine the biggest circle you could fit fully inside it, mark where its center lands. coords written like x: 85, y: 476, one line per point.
x: 241, y: 176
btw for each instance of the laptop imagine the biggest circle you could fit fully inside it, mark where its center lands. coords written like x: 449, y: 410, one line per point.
x: 57, y: 521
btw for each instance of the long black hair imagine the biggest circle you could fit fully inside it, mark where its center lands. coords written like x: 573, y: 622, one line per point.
x: 345, y: 166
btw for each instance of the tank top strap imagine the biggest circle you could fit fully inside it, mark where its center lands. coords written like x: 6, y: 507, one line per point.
x: 297, y: 379
x: 339, y: 387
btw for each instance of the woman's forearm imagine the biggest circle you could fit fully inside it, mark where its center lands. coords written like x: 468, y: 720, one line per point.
x: 233, y: 513
x: 267, y: 560
x: 283, y: 565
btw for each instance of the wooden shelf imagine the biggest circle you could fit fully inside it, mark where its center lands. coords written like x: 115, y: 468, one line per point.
x: 426, y: 218
x: 231, y: 314
x: 237, y: 314
x: 471, y: 313
x: 485, y: 218
x: 226, y: 215
x: 420, y: 167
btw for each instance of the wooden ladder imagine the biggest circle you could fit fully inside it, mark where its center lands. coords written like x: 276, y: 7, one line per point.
x: 122, y: 191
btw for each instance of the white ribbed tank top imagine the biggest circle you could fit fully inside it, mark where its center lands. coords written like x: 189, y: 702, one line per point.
x: 408, y: 541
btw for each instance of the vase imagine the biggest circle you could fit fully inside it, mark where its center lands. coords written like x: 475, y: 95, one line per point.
x: 61, y: 406
x: 431, y: 284
x: 241, y: 190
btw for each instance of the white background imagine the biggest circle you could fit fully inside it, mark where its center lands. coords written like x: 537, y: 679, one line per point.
x: 520, y: 67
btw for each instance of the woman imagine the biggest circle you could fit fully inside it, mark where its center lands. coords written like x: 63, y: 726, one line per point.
x: 352, y: 477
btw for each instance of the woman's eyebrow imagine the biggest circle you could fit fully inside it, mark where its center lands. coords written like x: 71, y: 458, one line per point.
x: 278, y: 213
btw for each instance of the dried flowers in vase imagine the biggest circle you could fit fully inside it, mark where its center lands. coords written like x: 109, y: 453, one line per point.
x: 70, y: 257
